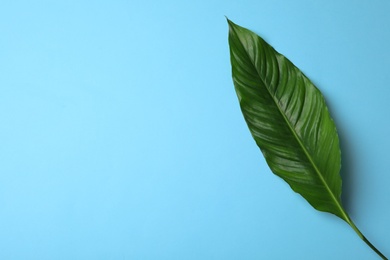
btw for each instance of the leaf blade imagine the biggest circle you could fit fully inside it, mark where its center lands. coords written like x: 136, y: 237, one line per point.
x: 288, y: 119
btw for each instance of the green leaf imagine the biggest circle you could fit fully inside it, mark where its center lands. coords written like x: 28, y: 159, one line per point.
x: 288, y: 118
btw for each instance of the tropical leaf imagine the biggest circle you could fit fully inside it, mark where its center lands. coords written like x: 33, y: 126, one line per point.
x: 288, y: 118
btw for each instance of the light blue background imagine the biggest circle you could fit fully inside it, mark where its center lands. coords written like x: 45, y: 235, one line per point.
x: 121, y: 135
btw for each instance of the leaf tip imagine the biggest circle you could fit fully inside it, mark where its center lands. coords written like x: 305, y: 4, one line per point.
x: 230, y: 23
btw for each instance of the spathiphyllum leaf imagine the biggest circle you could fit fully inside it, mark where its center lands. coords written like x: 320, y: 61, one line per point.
x: 288, y: 118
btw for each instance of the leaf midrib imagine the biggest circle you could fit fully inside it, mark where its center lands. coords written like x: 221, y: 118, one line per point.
x: 342, y: 211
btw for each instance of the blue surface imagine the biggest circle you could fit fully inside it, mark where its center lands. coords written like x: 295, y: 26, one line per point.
x: 121, y: 135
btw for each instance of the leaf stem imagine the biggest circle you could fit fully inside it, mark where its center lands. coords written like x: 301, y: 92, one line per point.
x: 365, y: 239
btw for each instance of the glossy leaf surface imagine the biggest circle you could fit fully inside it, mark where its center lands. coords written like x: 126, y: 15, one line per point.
x: 288, y: 119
